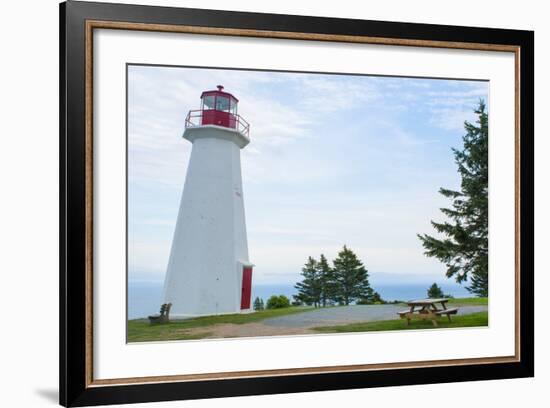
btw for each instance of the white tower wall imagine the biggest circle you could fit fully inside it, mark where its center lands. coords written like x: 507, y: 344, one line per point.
x: 209, y: 248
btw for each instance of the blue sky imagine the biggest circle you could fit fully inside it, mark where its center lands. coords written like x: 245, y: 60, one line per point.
x: 333, y: 160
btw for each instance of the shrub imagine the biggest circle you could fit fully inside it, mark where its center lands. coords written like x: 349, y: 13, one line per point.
x: 277, y: 302
x: 375, y: 299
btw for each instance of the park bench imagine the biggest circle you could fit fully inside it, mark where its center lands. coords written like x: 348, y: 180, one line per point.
x: 163, y: 316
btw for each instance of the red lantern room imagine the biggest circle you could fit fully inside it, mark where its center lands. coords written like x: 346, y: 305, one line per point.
x: 218, y: 108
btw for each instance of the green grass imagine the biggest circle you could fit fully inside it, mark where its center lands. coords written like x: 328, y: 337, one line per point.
x: 457, y: 302
x: 470, y: 320
x: 140, y: 329
x: 473, y: 301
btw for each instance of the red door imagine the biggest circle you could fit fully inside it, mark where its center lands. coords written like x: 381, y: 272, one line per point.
x: 246, y: 288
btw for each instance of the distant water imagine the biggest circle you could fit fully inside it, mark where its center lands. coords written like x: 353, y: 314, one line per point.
x: 145, y: 298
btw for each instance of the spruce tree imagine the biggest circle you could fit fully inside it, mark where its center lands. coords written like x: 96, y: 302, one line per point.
x: 465, y: 247
x: 377, y: 299
x: 435, y: 292
x: 309, y: 289
x: 351, y: 278
x: 258, y: 304
x: 326, y: 280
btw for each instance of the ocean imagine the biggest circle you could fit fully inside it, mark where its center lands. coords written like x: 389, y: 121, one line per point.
x: 144, y: 297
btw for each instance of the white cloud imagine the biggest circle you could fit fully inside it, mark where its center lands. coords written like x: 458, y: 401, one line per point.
x: 450, y: 109
x: 325, y: 94
x: 452, y: 118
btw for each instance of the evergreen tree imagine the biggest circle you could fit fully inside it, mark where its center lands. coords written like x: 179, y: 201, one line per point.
x: 435, y: 292
x: 351, y: 279
x: 376, y: 298
x: 326, y: 280
x: 464, y: 249
x: 296, y: 301
x: 309, y: 289
x: 258, y: 304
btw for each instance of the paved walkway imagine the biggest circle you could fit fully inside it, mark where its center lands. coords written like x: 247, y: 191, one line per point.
x: 349, y: 314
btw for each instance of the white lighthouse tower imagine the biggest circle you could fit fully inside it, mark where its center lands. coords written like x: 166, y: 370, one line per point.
x: 208, y: 270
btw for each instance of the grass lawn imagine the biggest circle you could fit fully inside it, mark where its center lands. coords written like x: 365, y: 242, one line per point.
x: 470, y: 320
x: 457, y: 302
x: 473, y: 301
x: 141, y: 330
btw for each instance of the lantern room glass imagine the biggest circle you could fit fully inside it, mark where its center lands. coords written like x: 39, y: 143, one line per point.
x: 208, y: 102
x: 220, y: 103
x: 233, y: 107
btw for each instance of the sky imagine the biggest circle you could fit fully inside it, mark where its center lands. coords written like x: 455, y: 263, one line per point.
x: 334, y: 160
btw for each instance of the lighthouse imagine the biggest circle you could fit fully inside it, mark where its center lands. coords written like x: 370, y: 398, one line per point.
x: 208, y: 271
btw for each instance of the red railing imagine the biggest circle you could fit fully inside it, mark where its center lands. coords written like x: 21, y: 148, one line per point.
x: 218, y: 118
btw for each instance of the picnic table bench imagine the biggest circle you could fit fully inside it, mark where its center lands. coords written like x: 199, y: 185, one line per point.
x: 427, y: 309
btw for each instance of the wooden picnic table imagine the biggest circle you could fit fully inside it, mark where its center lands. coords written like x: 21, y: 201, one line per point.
x: 427, y: 309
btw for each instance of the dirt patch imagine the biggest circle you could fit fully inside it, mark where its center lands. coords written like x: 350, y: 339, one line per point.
x: 246, y: 330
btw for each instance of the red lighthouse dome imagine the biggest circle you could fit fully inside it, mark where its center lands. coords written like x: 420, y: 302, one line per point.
x: 218, y: 108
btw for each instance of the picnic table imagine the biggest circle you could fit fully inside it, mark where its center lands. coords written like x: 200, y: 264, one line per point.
x: 427, y: 309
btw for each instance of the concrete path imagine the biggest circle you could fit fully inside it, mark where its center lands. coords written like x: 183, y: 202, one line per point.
x: 349, y: 314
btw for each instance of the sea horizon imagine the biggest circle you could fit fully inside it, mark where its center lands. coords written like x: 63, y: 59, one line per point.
x: 145, y: 296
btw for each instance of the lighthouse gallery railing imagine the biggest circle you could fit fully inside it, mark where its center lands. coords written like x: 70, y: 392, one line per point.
x: 196, y: 118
